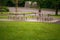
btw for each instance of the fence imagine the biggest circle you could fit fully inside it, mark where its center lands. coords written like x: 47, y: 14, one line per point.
x: 28, y: 17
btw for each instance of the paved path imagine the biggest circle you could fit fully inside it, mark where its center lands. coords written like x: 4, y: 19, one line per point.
x: 22, y: 9
x: 58, y: 22
x: 33, y: 20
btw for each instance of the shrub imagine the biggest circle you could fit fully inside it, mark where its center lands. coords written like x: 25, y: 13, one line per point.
x: 4, y: 9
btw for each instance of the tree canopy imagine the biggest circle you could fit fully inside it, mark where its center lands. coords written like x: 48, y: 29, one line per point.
x: 52, y: 4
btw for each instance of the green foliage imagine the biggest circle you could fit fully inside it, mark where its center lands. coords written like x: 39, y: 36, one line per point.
x: 41, y: 3
x: 10, y: 4
x: 4, y: 9
x: 2, y: 6
x: 3, y: 2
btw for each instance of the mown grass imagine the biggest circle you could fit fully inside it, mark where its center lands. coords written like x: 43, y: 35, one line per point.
x: 3, y: 17
x: 29, y: 31
x: 5, y: 13
x: 55, y: 16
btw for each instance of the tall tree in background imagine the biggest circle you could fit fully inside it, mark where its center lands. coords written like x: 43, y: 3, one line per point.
x: 16, y: 3
x: 50, y: 4
x: 55, y: 4
x: 2, y: 6
x: 3, y: 3
x: 57, y: 7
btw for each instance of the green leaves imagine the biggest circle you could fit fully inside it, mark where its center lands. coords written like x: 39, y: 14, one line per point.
x: 3, y: 2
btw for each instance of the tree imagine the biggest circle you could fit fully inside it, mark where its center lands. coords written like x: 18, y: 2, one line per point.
x: 2, y: 6
x: 16, y: 3
x: 2, y: 3
x: 50, y: 4
x: 10, y: 4
x: 56, y: 7
x: 55, y: 4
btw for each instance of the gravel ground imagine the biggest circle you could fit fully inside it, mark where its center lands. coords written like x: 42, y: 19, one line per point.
x: 33, y: 20
x: 58, y: 22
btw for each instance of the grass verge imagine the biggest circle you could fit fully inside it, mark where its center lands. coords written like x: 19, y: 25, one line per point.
x: 29, y: 31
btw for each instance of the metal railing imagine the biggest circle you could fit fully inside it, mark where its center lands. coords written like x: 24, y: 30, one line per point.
x: 28, y: 16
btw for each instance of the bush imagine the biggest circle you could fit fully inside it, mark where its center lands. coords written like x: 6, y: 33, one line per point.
x: 4, y: 9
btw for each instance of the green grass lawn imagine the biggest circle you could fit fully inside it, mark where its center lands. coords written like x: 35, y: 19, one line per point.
x: 55, y: 16
x: 29, y: 31
x: 3, y: 17
x: 5, y: 13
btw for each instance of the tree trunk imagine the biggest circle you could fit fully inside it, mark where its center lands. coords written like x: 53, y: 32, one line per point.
x: 16, y: 6
x: 56, y: 12
x: 1, y: 9
x: 56, y: 8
